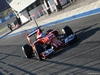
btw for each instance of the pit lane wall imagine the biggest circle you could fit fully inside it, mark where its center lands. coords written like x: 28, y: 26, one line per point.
x: 6, y: 18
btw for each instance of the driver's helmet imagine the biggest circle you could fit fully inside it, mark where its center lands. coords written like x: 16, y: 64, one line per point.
x: 40, y: 34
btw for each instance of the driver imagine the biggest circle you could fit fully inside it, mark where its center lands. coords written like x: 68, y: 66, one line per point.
x: 40, y: 34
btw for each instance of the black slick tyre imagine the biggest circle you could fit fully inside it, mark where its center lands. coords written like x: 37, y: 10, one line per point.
x: 27, y: 50
x: 38, y: 50
x: 67, y: 30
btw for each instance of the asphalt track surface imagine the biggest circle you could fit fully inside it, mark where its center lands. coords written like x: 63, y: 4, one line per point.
x: 81, y: 58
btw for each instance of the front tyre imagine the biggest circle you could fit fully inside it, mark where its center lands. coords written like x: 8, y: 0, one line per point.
x: 67, y: 31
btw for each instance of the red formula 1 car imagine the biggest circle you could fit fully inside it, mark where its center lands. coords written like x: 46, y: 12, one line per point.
x: 48, y: 43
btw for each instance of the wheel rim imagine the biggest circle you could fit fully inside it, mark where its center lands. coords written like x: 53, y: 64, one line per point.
x: 24, y: 52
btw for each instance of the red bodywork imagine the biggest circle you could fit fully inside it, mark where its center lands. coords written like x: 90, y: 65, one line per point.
x: 49, y: 43
x: 50, y: 37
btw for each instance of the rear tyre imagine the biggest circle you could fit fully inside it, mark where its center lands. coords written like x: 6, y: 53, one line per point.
x: 67, y: 31
x: 38, y: 50
x: 27, y: 50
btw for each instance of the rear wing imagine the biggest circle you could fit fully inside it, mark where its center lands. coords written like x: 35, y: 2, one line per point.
x: 28, y: 35
x: 32, y: 32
